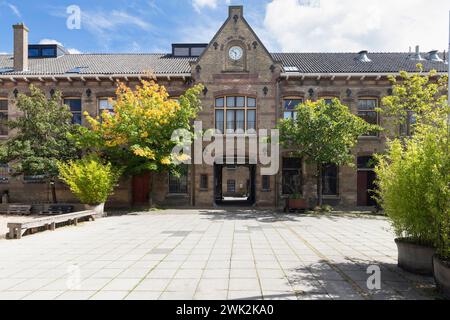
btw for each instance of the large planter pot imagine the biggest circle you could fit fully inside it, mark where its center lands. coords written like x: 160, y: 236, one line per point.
x: 415, y: 258
x: 296, y: 204
x: 99, y: 209
x: 442, y: 275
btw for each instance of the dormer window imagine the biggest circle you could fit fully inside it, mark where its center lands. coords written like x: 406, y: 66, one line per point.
x: 188, y: 49
x: 45, y: 51
x: 49, y: 52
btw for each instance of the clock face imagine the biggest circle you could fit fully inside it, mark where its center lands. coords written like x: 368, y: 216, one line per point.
x: 235, y: 53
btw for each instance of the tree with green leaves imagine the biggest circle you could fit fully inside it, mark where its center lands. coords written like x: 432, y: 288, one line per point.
x: 417, y: 99
x: 137, y: 135
x: 413, y: 179
x: 90, y: 179
x: 41, y: 137
x: 413, y: 176
x: 323, y: 133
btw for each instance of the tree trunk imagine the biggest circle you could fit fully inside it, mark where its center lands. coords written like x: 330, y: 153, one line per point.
x: 150, y: 195
x: 319, y: 185
x: 53, y: 189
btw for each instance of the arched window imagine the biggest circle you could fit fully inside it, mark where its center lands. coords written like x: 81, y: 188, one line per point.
x: 178, y: 184
x: 74, y: 105
x: 330, y: 180
x: 289, y: 105
x: 235, y: 114
x: 367, y: 110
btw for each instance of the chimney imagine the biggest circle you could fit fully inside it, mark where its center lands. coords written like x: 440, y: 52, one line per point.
x: 20, y: 47
x: 235, y: 12
x: 417, y: 56
x: 362, y: 56
x: 434, y: 56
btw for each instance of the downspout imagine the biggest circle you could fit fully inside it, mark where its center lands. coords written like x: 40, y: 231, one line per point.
x: 193, y: 185
x: 277, y: 106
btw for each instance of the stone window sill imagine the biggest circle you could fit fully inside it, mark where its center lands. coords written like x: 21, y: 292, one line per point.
x: 174, y: 195
x: 331, y: 197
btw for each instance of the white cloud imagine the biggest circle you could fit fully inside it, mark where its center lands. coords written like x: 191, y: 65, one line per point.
x: 73, y: 51
x: 50, y: 41
x: 109, y: 21
x: 53, y: 41
x: 353, y: 25
x: 13, y: 8
x: 199, y: 4
x: 202, y: 30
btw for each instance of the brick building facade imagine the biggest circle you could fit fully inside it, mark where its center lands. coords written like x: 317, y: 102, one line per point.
x: 247, y: 87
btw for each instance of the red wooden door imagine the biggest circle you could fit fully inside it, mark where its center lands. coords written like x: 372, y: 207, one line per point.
x: 366, y: 185
x: 362, y: 188
x: 141, y: 189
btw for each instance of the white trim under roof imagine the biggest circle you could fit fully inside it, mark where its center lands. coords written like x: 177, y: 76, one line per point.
x: 85, y: 77
x: 346, y: 75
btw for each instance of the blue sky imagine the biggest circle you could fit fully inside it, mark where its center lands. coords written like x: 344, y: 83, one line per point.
x: 283, y: 25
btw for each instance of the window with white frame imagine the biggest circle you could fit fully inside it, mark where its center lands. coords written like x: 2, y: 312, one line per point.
x: 74, y: 105
x: 289, y: 106
x: 367, y: 111
x: 330, y: 180
x: 408, y: 124
x: 106, y: 104
x: 178, y: 184
x: 235, y: 114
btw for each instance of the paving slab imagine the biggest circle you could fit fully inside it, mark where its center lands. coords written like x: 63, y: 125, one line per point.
x: 214, y: 255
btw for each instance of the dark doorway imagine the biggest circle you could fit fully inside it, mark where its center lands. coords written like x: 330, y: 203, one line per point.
x: 141, y: 189
x: 366, y: 186
x: 366, y: 182
x: 234, y: 185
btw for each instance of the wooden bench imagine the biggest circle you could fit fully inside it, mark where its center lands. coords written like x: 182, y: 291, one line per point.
x: 58, y: 209
x: 19, y: 209
x: 17, y: 229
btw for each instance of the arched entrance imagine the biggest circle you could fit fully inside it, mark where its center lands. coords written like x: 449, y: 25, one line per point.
x: 234, y: 185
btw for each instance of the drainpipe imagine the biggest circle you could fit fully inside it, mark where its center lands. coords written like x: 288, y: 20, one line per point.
x: 277, y: 106
x: 193, y: 185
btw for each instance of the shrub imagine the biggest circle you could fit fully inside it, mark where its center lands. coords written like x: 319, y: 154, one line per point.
x: 414, y: 187
x: 89, y: 179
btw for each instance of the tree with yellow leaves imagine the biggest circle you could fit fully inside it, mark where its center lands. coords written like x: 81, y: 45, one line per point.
x: 137, y: 134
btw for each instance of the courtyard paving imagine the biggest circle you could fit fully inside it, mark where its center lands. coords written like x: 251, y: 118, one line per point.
x: 209, y: 254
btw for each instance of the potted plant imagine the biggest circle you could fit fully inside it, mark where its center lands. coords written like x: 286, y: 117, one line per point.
x: 91, y: 180
x: 441, y: 261
x: 412, y: 178
x: 296, y: 202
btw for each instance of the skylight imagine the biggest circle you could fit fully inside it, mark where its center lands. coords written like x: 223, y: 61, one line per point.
x: 76, y: 70
x: 291, y: 69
